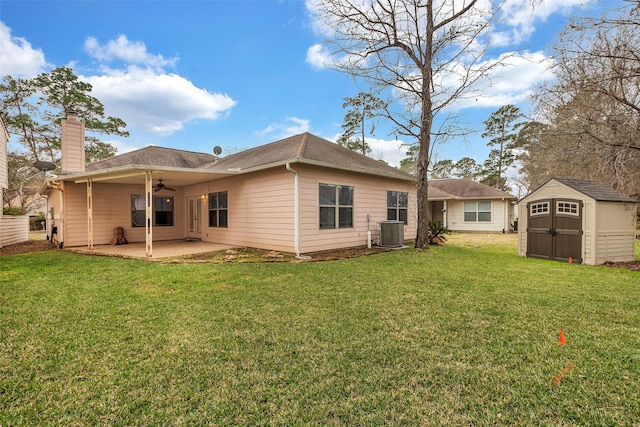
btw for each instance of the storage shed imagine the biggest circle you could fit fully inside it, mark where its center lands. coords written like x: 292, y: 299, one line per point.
x: 579, y: 220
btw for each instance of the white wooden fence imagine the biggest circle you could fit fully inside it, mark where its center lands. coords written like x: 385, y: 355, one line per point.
x: 13, y: 229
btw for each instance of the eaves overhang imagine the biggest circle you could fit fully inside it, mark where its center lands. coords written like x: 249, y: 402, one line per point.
x: 135, y: 174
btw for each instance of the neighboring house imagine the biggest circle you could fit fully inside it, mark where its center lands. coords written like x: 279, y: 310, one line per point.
x: 13, y: 229
x: 578, y: 220
x: 465, y: 205
x: 301, y: 194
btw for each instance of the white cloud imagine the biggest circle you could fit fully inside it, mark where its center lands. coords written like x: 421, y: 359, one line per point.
x: 521, y: 19
x: 17, y: 57
x: 124, y: 146
x: 391, y: 151
x: 291, y: 126
x: 143, y: 94
x: 156, y: 102
x: 317, y: 56
x: 511, y: 83
x: 130, y: 52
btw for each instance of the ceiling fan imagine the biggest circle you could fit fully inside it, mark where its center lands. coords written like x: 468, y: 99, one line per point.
x: 159, y: 186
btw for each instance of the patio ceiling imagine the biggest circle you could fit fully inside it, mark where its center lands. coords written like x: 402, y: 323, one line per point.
x: 135, y: 174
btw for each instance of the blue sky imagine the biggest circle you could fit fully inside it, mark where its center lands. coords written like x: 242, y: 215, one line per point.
x: 238, y: 74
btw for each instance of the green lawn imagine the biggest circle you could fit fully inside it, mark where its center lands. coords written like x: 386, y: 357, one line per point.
x: 463, y: 334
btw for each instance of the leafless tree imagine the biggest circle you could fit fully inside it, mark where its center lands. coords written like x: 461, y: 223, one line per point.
x: 427, y: 53
x: 592, y: 111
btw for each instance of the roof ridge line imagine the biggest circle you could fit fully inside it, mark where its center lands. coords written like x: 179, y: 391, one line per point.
x: 302, y: 148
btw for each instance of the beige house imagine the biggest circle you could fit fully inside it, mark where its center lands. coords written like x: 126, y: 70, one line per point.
x: 301, y: 194
x: 577, y: 220
x: 469, y: 206
x: 13, y: 229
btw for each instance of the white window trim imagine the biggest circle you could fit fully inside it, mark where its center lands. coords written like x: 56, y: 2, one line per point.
x: 477, y: 211
x: 153, y: 204
x: 337, y: 207
x: 538, y: 205
x: 398, y: 208
x: 572, y: 205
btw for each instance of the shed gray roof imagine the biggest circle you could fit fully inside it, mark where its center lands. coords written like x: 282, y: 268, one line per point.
x: 464, y: 189
x: 594, y: 190
x: 155, y: 156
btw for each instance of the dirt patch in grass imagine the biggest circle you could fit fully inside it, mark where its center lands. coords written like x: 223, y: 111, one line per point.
x: 262, y: 255
x: 26, y: 247
x: 632, y: 265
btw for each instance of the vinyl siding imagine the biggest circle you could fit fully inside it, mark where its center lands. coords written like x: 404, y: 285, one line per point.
x: 13, y: 229
x: 499, y: 217
x: 72, y: 138
x: 615, y: 236
x: 74, y: 215
x: 370, y: 198
x: 260, y: 210
x: 111, y: 209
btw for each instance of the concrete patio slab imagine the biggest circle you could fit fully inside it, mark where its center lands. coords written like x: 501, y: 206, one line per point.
x: 160, y: 249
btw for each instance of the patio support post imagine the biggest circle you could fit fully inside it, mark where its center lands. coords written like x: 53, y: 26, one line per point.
x: 148, y: 224
x: 445, y: 214
x: 90, y: 214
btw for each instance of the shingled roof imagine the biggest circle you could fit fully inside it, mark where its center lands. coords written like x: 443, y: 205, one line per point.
x: 309, y: 149
x: 464, y: 189
x: 595, y: 190
x: 155, y: 156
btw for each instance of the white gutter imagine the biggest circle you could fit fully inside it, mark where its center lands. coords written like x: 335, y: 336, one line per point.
x: 296, y: 207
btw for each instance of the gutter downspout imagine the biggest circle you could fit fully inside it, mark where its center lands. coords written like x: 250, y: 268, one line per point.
x: 57, y: 185
x: 296, y: 207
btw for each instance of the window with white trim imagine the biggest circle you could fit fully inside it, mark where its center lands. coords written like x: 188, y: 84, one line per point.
x: 397, y: 205
x: 567, y: 208
x: 218, y: 209
x: 539, y: 208
x: 163, y: 207
x: 336, y: 206
x: 477, y: 211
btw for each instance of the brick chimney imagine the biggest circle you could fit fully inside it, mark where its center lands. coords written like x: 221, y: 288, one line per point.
x: 72, y: 142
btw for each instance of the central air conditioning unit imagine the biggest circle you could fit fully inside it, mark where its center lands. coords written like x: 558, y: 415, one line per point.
x: 392, y: 234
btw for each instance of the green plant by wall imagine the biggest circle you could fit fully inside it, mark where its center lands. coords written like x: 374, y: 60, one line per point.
x: 14, y: 211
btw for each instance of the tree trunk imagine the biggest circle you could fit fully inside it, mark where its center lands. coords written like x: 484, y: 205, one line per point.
x: 426, y: 121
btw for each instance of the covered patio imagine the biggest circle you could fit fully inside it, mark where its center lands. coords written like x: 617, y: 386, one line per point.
x: 161, y: 249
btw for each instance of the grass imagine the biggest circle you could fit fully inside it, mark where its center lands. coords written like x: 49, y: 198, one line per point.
x: 462, y: 334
